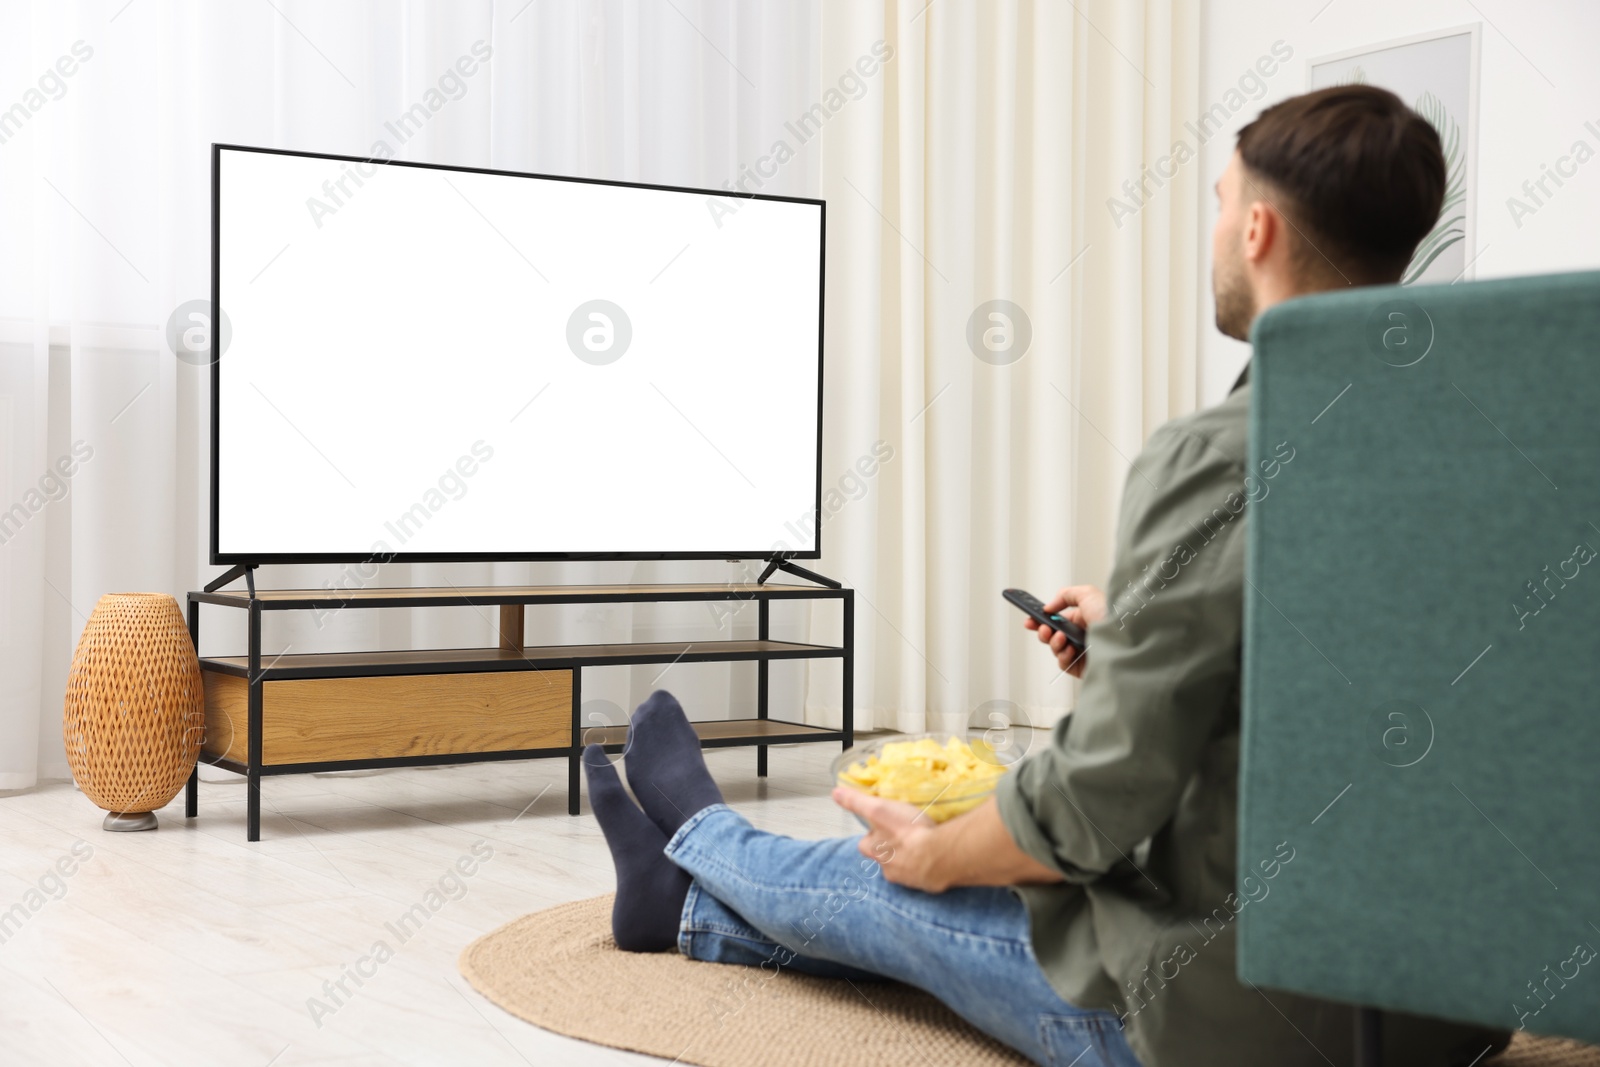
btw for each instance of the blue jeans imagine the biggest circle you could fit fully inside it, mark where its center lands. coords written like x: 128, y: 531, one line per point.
x: 821, y: 908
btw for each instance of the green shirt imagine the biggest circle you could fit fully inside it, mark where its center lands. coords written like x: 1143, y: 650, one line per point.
x: 1135, y: 800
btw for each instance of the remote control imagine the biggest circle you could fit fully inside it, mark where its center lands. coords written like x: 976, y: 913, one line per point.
x: 1033, y: 607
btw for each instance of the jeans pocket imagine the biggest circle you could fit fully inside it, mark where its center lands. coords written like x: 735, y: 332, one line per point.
x: 1085, y: 1039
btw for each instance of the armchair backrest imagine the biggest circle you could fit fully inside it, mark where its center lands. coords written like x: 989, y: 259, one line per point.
x: 1422, y: 652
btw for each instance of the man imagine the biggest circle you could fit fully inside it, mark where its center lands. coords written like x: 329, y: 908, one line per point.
x: 1084, y: 916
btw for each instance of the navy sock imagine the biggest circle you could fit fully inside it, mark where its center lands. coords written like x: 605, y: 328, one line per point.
x: 664, y: 764
x: 650, y: 888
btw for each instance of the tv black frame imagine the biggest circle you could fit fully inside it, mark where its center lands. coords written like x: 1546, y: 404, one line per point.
x: 219, y: 558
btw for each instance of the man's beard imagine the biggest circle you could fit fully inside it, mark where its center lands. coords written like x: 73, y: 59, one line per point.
x: 1236, y: 304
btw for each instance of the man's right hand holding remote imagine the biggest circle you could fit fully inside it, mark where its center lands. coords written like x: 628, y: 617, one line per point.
x: 1082, y: 605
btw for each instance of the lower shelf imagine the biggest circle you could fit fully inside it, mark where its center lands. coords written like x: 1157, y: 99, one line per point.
x: 718, y: 733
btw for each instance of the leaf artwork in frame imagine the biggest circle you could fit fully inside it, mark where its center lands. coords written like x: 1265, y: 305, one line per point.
x: 1451, y: 227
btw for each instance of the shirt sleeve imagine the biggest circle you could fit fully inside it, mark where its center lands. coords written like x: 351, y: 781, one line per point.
x: 1163, y: 665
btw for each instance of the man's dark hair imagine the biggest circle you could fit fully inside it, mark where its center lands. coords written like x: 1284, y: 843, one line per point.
x: 1357, y: 172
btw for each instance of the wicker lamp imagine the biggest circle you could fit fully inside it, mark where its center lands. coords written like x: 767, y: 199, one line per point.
x: 135, y: 710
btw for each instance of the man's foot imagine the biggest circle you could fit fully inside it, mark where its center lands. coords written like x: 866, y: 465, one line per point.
x: 664, y: 764
x: 650, y: 888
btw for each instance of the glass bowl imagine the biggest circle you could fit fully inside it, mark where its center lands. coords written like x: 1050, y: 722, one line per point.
x: 929, y: 781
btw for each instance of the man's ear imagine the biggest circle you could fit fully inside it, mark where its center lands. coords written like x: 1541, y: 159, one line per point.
x: 1263, y: 229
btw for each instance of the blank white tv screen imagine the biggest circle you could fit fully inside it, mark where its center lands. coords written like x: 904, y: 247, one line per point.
x: 420, y: 362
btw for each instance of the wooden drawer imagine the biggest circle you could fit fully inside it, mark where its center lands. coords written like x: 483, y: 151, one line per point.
x: 318, y: 720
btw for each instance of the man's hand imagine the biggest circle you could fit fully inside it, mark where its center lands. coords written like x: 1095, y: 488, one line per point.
x: 901, y: 839
x: 1079, y: 604
x: 970, y: 849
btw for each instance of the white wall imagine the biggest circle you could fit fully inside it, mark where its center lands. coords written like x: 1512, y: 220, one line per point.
x: 1538, y: 86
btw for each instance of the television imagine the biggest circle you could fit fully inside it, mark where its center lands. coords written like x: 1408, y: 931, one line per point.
x: 427, y: 363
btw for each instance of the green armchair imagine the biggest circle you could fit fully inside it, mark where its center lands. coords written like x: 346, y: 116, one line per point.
x: 1422, y: 653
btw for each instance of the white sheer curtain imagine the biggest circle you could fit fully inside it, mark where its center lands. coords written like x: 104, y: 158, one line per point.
x: 979, y: 169
x: 966, y: 150
x: 104, y: 230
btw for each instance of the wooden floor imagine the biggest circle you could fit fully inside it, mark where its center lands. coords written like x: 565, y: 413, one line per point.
x: 189, y: 945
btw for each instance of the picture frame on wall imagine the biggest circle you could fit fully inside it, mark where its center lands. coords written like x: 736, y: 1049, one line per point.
x: 1437, y: 74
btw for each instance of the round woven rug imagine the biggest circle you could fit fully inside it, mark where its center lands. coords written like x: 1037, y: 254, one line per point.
x: 560, y: 970
x: 1529, y: 1051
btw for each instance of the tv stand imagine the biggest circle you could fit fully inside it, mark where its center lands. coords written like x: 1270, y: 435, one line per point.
x: 306, y: 712
x: 247, y: 571
x: 781, y: 562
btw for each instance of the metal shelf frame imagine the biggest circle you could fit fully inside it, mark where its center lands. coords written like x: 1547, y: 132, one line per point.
x: 759, y: 732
